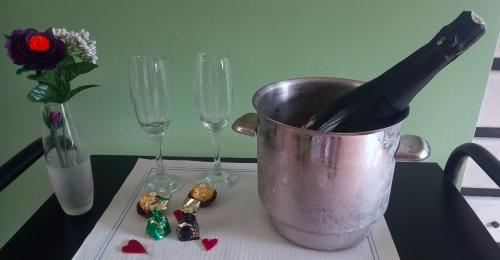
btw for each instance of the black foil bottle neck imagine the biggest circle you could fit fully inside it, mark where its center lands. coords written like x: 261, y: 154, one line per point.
x: 401, y: 83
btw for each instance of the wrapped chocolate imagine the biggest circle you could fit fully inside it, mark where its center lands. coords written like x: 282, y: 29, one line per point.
x: 190, y: 205
x: 152, y: 200
x: 178, y: 215
x: 203, y: 192
x: 188, y: 229
x: 158, y: 226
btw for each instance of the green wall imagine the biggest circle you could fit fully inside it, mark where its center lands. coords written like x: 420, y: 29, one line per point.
x: 267, y: 40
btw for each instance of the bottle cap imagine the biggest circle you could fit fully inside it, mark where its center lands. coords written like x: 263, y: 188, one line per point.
x: 460, y: 34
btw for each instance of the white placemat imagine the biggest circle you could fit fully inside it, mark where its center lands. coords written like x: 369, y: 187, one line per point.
x: 236, y: 219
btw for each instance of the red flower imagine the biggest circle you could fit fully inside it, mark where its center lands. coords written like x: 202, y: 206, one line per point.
x: 39, y: 43
x: 35, y: 50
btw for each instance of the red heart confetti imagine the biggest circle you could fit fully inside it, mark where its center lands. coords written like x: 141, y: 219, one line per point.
x: 178, y: 215
x: 209, y: 243
x: 134, y: 247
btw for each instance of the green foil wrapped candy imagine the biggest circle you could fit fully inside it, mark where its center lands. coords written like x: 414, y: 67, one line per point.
x: 158, y: 226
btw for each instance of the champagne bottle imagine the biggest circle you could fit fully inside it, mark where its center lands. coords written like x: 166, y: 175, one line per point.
x: 385, y: 99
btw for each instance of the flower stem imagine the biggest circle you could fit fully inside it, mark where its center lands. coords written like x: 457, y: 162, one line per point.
x: 64, y: 147
x: 58, y: 148
x: 53, y: 137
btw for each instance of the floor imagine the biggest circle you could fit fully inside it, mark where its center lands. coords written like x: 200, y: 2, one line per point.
x: 487, y: 207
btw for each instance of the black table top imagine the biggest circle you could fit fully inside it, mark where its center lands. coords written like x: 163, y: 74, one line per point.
x: 427, y: 216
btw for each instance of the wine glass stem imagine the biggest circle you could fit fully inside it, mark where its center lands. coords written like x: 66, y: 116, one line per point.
x: 216, y: 145
x: 158, y: 143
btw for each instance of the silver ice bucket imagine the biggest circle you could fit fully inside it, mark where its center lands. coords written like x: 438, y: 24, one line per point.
x: 322, y: 191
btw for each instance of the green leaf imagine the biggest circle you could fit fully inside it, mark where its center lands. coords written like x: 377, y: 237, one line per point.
x: 48, y: 78
x: 67, y: 61
x: 43, y: 93
x: 21, y: 70
x: 7, y: 37
x: 71, y: 71
x: 49, y: 29
x: 80, y: 88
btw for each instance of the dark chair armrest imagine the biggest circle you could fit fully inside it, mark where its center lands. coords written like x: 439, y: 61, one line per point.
x: 487, y: 161
x: 20, y: 162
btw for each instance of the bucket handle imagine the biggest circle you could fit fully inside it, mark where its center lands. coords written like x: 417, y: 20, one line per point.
x: 246, y: 124
x: 411, y: 147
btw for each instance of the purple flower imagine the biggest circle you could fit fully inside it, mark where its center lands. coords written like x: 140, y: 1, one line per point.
x: 56, y: 120
x: 35, y: 50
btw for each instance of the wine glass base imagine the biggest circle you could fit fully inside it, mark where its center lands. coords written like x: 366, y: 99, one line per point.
x: 221, y: 179
x: 164, y: 183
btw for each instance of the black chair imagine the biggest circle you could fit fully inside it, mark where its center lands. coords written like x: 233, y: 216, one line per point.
x: 487, y: 161
x: 14, y: 167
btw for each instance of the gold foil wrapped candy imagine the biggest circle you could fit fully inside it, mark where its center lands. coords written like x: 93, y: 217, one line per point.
x: 150, y: 201
x: 203, y: 192
x: 190, y: 205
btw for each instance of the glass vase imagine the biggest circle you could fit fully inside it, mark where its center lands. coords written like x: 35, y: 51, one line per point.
x: 67, y: 163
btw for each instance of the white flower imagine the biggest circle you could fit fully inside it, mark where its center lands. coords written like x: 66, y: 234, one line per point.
x: 79, y: 43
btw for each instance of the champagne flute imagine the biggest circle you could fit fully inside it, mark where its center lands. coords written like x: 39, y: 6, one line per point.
x: 150, y: 95
x: 213, y: 97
